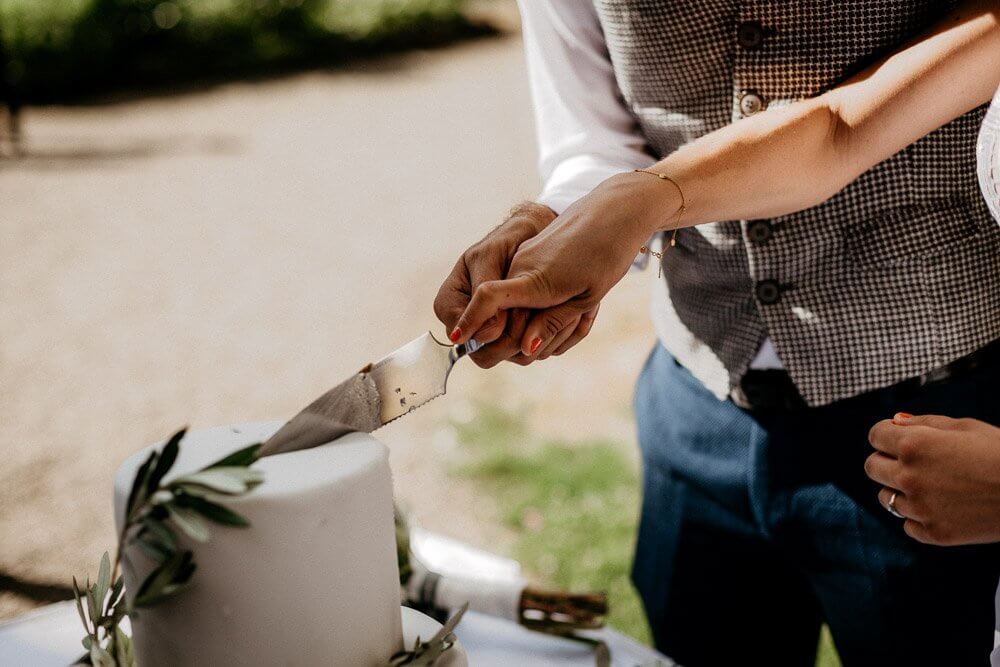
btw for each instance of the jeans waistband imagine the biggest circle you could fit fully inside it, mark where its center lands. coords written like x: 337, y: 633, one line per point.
x: 773, y: 389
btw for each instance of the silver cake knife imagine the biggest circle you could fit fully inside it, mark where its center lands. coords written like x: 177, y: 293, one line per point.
x: 378, y: 394
x: 415, y: 374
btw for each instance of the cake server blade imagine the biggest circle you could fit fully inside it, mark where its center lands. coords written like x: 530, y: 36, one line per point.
x: 414, y: 374
x: 379, y: 393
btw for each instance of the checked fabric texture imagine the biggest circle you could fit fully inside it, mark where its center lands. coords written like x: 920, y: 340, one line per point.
x: 896, y: 275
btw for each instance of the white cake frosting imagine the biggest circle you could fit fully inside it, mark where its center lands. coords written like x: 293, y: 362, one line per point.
x: 313, y: 580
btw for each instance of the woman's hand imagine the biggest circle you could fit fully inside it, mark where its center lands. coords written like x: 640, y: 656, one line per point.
x: 568, y: 267
x: 489, y: 260
x: 946, y: 475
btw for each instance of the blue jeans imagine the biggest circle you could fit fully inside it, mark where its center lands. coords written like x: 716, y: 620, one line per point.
x: 757, y: 527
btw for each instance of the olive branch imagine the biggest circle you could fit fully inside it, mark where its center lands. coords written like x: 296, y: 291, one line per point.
x: 154, y: 513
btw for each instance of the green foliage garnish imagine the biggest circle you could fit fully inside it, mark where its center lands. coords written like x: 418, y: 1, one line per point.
x: 154, y: 512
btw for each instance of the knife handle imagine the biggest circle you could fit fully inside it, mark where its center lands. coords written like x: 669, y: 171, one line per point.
x: 469, y: 347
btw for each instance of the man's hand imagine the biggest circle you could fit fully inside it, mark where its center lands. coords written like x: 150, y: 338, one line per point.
x: 485, y: 261
x: 563, y: 272
x: 946, y: 475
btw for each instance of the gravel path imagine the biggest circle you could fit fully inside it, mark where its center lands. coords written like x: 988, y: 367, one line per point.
x: 226, y: 255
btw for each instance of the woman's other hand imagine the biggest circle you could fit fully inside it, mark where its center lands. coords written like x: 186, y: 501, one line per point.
x: 946, y: 475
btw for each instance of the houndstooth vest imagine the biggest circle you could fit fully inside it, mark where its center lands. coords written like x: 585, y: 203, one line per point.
x: 896, y: 275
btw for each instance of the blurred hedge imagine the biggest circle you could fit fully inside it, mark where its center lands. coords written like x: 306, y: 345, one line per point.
x: 61, y: 50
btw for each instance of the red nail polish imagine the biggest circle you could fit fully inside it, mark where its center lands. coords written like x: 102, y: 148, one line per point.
x: 902, y: 417
x: 455, y: 335
x: 535, y: 344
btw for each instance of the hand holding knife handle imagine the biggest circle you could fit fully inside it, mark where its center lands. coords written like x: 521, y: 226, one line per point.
x: 467, y: 348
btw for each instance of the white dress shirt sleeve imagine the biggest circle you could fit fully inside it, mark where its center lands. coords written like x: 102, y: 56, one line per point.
x: 585, y: 133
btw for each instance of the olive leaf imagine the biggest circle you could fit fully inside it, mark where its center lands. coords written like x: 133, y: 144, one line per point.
x: 137, y: 495
x: 78, y: 596
x: 156, y: 539
x: 240, y: 459
x: 124, y: 653
x: 189, y: 522
x: 169, y: 578
x: 168, y: 455
x: 103, y: 582
x: 211, y: 511
x: 117, y: 589
x: 228, y: 480
x: 91, y: 594
x: 99, y: 657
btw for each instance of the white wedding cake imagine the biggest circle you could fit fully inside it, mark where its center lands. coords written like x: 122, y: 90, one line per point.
x: 312, y: 581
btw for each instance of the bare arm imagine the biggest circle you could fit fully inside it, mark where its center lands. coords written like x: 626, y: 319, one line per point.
x: 780, y: 161
x: 784, y: 160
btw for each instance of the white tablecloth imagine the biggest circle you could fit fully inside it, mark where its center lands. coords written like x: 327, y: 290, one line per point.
x: 50, y: 636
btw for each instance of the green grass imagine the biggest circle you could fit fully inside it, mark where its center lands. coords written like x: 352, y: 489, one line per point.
x: 573, y: 507
x: 62, y: 50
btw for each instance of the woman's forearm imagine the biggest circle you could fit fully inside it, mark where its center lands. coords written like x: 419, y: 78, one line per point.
x: 773, y: 163
x: 791, y: 158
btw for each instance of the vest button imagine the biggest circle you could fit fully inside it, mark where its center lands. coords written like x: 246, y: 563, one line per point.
x: 751, y: 103
x: 768, y: 292
x: 759, y: 231
x: 750, y: 35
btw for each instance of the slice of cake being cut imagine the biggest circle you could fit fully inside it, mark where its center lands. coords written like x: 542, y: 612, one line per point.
x: 312, y: 581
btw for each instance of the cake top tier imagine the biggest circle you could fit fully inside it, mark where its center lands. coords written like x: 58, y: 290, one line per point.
x: 349, y: 458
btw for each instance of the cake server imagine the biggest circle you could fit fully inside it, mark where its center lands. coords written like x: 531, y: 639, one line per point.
x: 414, y: 374
x: 379, y: 393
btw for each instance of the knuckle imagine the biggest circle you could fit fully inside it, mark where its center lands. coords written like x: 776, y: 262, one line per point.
x: 439, y: 308
x: 966, y: 423
x: 875, y: 433
x: 476, y: 251
x: 908, y: 449
x: 918, y: 509
x: 539, y: 282
x: 908, y: 483
x: 487, y: 289
x: 870, y: 465
x: 552, y: 325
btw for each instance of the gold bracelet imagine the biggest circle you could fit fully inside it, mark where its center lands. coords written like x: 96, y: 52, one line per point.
x: 677, y: 216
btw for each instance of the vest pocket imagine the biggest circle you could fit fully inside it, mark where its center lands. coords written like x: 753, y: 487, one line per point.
x: 913, y: 230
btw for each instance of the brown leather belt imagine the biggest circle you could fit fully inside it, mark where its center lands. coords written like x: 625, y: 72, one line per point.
x: 773, y: 389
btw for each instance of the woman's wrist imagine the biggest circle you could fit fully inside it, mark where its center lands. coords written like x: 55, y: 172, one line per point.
x: 653, y: 203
